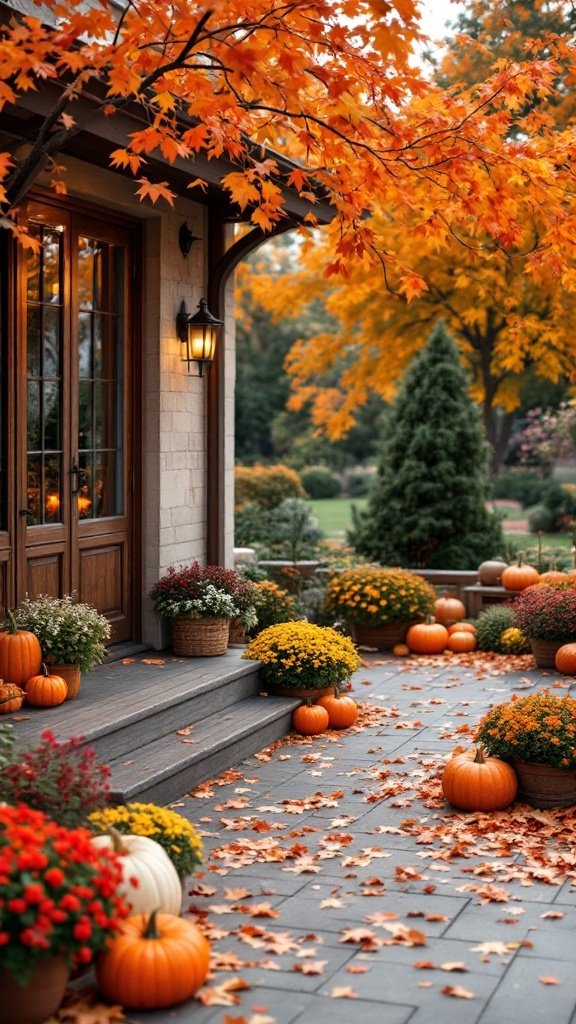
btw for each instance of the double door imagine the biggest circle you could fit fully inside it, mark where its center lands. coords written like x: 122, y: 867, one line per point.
x: 72, y: 479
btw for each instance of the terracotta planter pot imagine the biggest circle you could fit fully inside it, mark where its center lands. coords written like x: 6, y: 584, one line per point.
x: 544, y: 652
x: 383, y: 638
x: 291, y: 691
x: 236, y: 635
x: 70, y: 674
x: 40, y: 998
x: 542, y: 785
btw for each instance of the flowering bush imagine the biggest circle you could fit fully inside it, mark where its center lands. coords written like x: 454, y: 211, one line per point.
x: 547, y: 613
x: 68, y: 631
x: 303, y: 656
x: 540, y: 728
x: 200, y: 591
x: 64, y: 780
x: 372, y: 596
x: 273, y: 605
x: 168, y: 828
x: 58, y: 892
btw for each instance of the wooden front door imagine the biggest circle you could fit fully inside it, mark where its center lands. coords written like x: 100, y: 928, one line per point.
x: 72, y: 415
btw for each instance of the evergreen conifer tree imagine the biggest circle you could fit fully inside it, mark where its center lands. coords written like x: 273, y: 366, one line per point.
x: 427, y: 507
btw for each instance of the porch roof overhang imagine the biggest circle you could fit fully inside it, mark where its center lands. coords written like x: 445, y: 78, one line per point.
x: 100, y: 135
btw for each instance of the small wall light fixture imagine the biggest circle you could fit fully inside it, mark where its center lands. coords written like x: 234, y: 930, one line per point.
x: 197, y: 335
x: 186, y: 239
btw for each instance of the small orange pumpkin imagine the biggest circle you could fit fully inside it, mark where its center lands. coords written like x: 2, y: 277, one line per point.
x: 11, y: 698
x: 448, y: 610
x: 461, y: 641
x: 20, y: 653
x: 310, y: 719
x: 427, y: 638
x: 473, y: 782
x: 157, y: 960
x: 462, y: 627
x: 400, y: 650
x: 46, y: 691
x: 565, y: 659
x: 342, y: 710
x: 519, y: 576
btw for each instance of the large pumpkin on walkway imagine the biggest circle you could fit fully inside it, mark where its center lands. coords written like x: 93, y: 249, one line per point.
x: 427, y: 638
x: 473, y: 782
x: 20, y: 653
x: 156, y: 961
x: 565, y: 659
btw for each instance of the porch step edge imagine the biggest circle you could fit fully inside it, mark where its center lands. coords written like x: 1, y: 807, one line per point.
x: 166, y: 768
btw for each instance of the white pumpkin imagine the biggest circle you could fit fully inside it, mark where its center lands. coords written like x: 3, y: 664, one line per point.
x: 159, y: 887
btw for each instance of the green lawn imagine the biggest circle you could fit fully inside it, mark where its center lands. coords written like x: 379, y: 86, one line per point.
x: 335, y: 517
x: 334, y: 514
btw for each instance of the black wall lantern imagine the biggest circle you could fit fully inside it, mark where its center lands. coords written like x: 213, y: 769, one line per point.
x: 197, y: 335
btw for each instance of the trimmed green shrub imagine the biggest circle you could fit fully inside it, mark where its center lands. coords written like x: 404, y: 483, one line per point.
x: 320, y: 482
x: 266, y: 486
x: 490, y: 626
x: 358, y: 482
x: 427, y: 506
x: 541, y: 519
x: 519, y: 485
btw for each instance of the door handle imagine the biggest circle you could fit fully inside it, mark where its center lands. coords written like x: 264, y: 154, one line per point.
x: 74, y: 473
x: 25, y: 512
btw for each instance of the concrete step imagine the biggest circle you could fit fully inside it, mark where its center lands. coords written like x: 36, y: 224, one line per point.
x: 169, y: 766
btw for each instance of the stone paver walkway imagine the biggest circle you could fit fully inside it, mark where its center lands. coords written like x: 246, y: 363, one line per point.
x: 329, y: 891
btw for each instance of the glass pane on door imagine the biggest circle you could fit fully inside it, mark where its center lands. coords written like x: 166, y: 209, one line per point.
x: 44, y: 377
x: 101, y: 287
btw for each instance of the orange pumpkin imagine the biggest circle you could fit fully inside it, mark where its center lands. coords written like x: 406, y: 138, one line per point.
x: 449, y: 610
x: 400, y: 650
x: 519, y: 576
x: 462, y: 627
x: 342, y: 710
x: 310, y: 719
x: 156, y: 961
x: 427, y: 638
x: 46, y: 691
x: 473, y: 782
x: 566, y: 659
x: 461, y: 641
x: 554, y: 576
x: 20, y: 653
x: 11, y: 698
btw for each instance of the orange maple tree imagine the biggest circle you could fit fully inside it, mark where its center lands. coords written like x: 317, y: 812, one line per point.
x: 496, y: 261
x: 328, y: 84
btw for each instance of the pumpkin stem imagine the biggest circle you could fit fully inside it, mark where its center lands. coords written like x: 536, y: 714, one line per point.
x: 12, y: 624
x: 479, y: 759
x: 151, y: 929
x: 520, y: 557
x: 117, y: 840
x: 44, y: 670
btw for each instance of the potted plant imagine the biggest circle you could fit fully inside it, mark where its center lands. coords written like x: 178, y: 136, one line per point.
x: 379, y: 604
x: 546, y: 614
x: 72, y: 634
x: 59, y: 908
x: 63, y: 779
x: 199, y: 601
x: 302, y: 659
x: 174, y: 833
x: 537, y: 735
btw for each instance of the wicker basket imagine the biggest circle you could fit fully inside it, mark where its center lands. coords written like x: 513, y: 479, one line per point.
x: 199, y: 638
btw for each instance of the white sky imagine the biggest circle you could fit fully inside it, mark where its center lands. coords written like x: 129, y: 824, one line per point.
x: 435, y: 14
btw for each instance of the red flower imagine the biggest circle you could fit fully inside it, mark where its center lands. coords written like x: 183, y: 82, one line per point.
x: 54, y: 877
x: 34, y: 893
